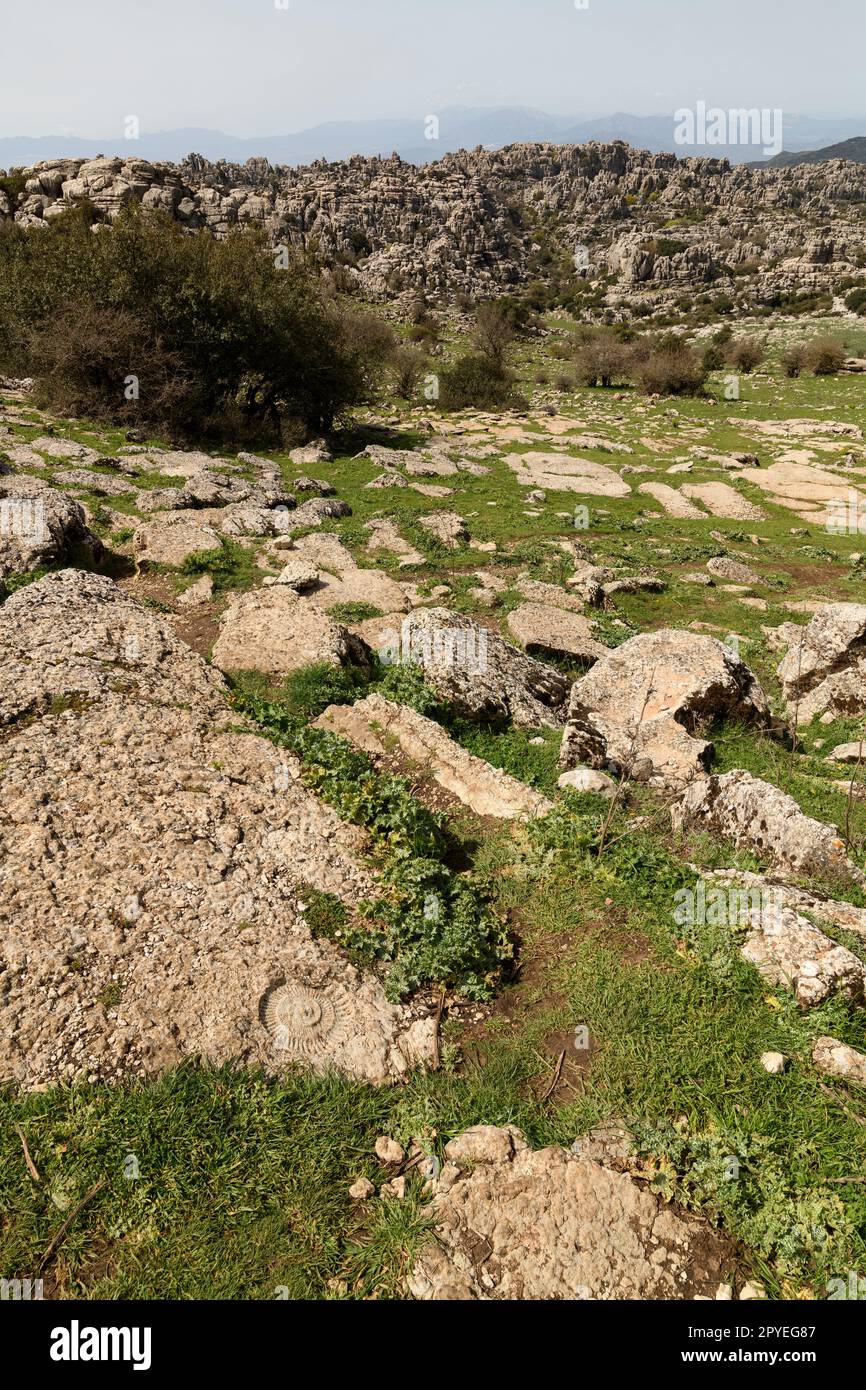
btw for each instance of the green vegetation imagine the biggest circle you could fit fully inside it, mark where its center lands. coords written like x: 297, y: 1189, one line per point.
x: 431, y: 925
x: 180, y: 333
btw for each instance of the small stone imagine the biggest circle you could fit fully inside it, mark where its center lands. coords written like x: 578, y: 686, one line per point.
x: 395, y: 1188
x: 361, y: 1190
x: 586, y: 779
x: 388, y: 1150
x: 724, y: 1293
x: 751, y: 1291
x: 774, y: 1062
x: 299, y: 575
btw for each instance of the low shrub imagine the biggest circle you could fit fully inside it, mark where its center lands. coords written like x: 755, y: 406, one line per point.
x: 671, y: 369
x: 478, y: 382
x: 825, y: 356
x: 745, y: 354
x: 183, y: 334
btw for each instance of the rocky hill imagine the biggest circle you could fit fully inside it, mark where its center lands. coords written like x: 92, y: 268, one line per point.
x: 646, y: 227
x: 854, y: 149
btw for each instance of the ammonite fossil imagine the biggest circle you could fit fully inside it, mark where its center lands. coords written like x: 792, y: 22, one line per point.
x: 303, y: 1020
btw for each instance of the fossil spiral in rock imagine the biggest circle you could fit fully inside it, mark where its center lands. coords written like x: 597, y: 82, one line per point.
x: 304, y: 1020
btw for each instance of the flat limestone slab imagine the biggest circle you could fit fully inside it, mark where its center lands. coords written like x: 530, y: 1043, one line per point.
x: 376, y: 724
x: 674, y: 503
x: 562, y: 473
x: 724, y: 501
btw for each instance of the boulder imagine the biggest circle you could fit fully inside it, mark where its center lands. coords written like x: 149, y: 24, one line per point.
x: 317, y: 510
x: 548, y: 632
x: 824, y: 669
x: 314, y: 485
x: 299, y: 575
x: 835, y: 1058
x: 512, y: 1224
x: 40, y: 526
x: 757, y: 816
x: 478, y: 673
x: 788, y: 950
x: 722, y: 567
x: 448, y: 528
x: 317, y: 451
x: 586, y: 779
x: 650, y: 698
x: 275, y: 631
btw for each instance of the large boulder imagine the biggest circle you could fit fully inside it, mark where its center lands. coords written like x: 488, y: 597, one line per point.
x: 824, y: 669
x: 757, y: 816
x: 516, y: 1224
x: 376, y: 725
x: 276, y: 631
x: 154, y: 865
x: 648, y: 701
x: 40, y: 526
x: 478, y: 673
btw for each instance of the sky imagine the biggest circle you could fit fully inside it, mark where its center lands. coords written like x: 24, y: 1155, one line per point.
x: 265, y: 67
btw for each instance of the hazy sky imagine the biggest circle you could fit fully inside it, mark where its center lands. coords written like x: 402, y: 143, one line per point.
x: 250, y: 68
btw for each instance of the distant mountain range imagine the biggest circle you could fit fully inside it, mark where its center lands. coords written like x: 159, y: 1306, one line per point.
x: 846, y: 149
x: 459, y: 128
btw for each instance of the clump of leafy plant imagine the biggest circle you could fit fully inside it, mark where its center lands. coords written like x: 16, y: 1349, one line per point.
x: 429, y: 924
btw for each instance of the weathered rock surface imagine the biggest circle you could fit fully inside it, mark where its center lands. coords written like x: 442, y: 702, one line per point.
x: 514, y: 1224
x: 276, y: 631
x: 564, y: 473
x: 755, y: 815
x: 40, y: 526
x: 586, y: 779
x: 788, y: 950
x: 448, y: 528
x: 824, y: 670
x: 480, y: 674
x: 722, y: 567
x: 766, y: 888
x: 173, y: 539
x: 153, y: 866
x: 547, y: 632
x: 651, y: 697
x: 466, y: 223
x: 378, y: 725
x: 835, y: 1058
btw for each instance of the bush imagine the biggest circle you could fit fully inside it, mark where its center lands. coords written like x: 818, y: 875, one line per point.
x: 494, y: 331
x: 478, y: 382
x: 671, y: 369
x: 713, y: 357
x: 746, y: 353
x: 602, y: 360
x: 408, y: 366
x: 825, y: 356
x: 856, y: 300
x: 221, y: 339
x: 793, y: 359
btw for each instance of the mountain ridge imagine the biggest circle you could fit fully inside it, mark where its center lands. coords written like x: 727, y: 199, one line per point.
x: 459, y: 128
